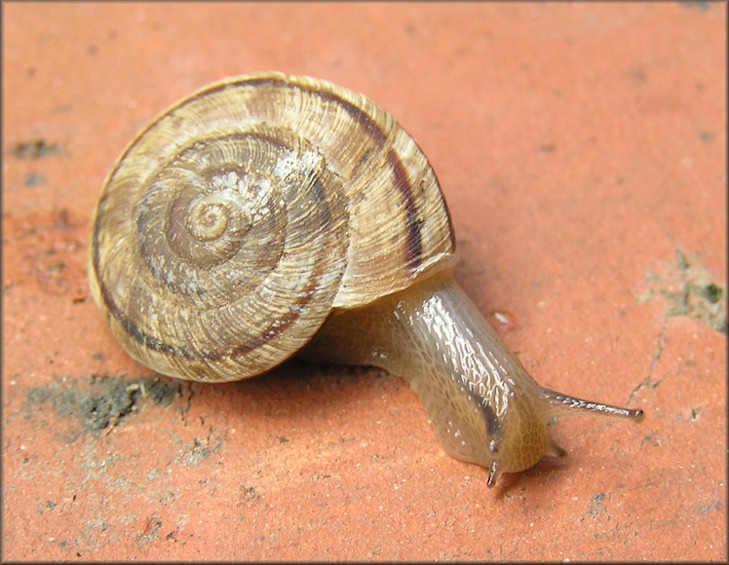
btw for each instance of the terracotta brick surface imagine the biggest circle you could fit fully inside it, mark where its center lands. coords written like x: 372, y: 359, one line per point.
x: 581, y: 148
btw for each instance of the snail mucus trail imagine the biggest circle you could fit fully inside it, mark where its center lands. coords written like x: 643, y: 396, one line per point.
x: 270, y: 215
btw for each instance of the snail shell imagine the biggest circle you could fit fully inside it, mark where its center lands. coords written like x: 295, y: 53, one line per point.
x: 237, y: 220
x: 269, y: 215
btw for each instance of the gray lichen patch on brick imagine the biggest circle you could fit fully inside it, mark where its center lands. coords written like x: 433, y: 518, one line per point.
x: 689, y: 290
x: 104, y: 403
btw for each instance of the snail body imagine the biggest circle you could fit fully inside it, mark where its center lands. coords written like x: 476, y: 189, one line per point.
x: 271, y: 215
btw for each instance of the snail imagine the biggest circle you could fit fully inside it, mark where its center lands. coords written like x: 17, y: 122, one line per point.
x: 270, y: 215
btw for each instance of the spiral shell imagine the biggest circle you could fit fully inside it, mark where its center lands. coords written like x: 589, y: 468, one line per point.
x: 240, y: 218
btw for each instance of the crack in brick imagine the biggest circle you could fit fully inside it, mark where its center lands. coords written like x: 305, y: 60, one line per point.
x: 648, y: 380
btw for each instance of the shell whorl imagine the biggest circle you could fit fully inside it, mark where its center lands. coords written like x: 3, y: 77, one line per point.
x: 238, y: 219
